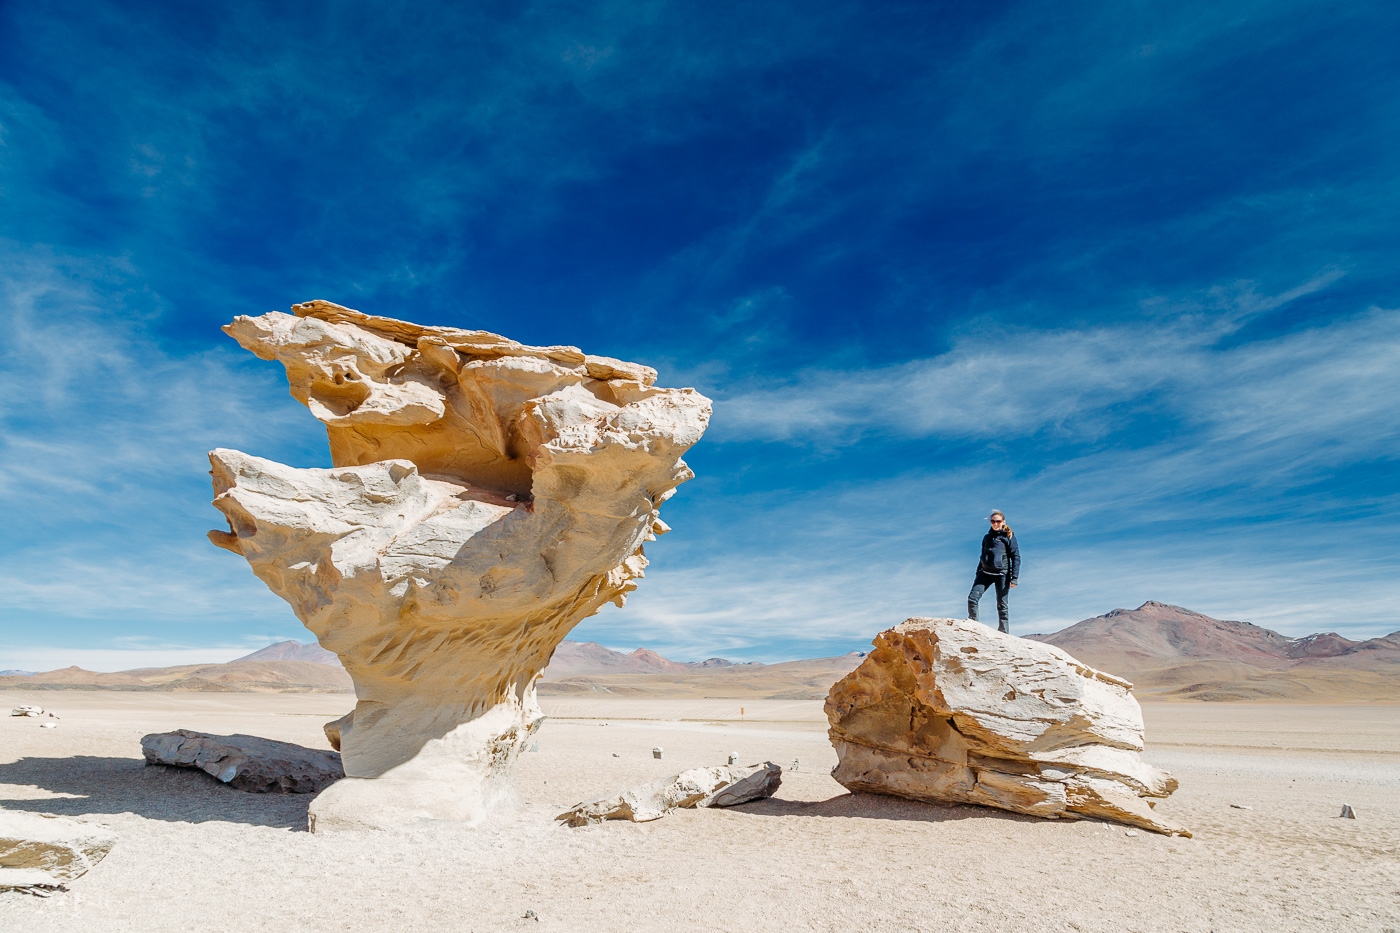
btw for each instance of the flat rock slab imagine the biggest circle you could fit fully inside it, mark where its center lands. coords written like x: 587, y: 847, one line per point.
x: 722, y: 786
x: 951, y: 710
x: 246, y: 762
x: 42, y: 851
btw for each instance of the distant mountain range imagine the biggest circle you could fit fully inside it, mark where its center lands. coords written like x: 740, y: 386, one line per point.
x: 1166, y: 651
x: 572, y: 658
x: 234, y: 677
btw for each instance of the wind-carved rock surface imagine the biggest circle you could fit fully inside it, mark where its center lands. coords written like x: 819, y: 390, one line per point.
x: 485, y: 498
x: 951, y: 710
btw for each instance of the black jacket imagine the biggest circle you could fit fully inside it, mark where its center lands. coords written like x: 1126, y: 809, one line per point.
x: 1000, y: 555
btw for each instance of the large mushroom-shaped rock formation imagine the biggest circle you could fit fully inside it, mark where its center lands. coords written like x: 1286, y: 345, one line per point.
x: 485, y: 497
x: 951, y: 710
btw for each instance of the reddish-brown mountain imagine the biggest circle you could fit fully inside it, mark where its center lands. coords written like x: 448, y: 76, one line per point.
x: 1173, y: 651
x: 293, y: 651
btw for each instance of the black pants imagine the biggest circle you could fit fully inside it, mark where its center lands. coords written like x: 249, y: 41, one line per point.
x: 979, y: 586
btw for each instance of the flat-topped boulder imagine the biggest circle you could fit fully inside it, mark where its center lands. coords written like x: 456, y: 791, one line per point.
x: 246, y: 762
x: 949, y: 710
x: 485, y: 497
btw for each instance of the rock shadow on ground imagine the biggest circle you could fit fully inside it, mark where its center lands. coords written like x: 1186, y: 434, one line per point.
x: 882, y: 807
x: 100, y: 785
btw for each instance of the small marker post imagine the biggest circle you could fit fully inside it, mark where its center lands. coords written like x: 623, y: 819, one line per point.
x: 741, y: 714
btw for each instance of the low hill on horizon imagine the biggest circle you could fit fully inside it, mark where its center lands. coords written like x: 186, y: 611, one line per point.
x: 572, y: 658
x: 239, y: 676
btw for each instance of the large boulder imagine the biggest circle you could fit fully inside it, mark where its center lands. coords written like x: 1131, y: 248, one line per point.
x: 42, y: 851
x: 951, y: 710
x: 486, y: 497
x: 722, y: 786
x: 246, y: 762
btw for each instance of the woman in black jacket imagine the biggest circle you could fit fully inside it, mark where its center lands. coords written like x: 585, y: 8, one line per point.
x: 999, y: 566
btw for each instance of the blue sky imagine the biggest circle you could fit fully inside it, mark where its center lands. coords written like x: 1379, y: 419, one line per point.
x: 1127, y: 273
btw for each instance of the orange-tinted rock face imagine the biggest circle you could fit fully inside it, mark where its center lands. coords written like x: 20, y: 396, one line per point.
x: 486, y: 497
x: 951, y: 710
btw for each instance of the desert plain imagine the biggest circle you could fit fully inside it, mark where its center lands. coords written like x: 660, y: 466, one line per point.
x: 1262, y: 785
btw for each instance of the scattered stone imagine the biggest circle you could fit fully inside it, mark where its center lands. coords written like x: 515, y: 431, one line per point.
x: 794, y: 764
x: 531, y: 915
x: 761, y: 782
x: 1347, y: 812
x: 27, y: 711
x: 246, y: 762
x: 950, y: 710
x: 723, y: 786
x: 535, y: 746
x: 733, y: 758
x: 1131, y: 832
x: 485, y: 497
x: 39, y: 851
x: 657, y: 752
x: 616, y: 755
x: 48, y: 725
x: 1240, y: 806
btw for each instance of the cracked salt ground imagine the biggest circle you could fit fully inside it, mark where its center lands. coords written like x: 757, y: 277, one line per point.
x: 811, y: 858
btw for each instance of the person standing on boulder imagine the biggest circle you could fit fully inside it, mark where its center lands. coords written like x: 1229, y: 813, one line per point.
x: 999, y: 566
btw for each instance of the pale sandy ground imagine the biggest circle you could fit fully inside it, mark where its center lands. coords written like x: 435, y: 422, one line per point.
x: 195, y: 855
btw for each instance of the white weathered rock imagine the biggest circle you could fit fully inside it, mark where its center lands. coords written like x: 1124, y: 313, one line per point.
x: 486, y: 497
x: 951, y: 710
x: 724, y: 786
x: 27, y: 711
x: 246, y: 762
x: 39, y: 850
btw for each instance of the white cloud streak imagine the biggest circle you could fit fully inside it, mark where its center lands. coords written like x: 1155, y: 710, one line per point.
x: 1232, y: 501
x: 1336, y: 383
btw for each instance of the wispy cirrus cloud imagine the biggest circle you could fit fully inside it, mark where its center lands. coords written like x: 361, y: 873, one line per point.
x: 1173, y: 457
x: 1188, y: 366
x: 103, y: 475
x: 905, y: 247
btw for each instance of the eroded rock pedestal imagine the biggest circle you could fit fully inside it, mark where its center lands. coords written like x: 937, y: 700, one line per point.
x: 951, y: 710
x: 485, y: 497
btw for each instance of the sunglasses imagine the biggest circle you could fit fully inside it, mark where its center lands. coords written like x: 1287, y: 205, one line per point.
x: 998, y: 521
